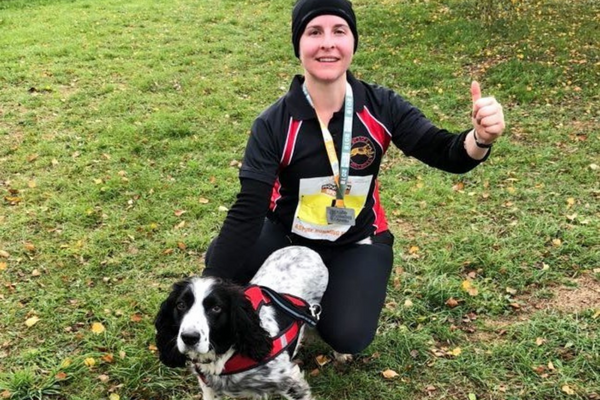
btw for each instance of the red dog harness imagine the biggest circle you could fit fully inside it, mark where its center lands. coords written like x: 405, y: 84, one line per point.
x: 297, y: 308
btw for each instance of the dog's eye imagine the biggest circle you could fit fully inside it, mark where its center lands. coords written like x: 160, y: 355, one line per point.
x: 216, y: 309
x: 181, y: 305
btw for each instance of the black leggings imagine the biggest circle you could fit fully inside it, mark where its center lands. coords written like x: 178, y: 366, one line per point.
x: 358, y: 276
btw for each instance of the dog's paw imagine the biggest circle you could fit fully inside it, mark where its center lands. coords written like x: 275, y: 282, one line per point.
x: 342, y: 358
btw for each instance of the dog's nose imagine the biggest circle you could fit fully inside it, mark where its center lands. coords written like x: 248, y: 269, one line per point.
x: 191, y: 338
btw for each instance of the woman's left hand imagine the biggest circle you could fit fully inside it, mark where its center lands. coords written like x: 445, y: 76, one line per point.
x: 487, y: 117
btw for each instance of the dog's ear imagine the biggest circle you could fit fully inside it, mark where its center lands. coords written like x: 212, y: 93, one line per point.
x: 251, y: 340
x: 167, y: 324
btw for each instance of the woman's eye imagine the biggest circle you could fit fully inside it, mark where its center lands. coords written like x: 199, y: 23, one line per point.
x: 181, y: 305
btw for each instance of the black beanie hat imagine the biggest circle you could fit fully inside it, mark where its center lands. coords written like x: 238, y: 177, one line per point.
x: 306, y: 10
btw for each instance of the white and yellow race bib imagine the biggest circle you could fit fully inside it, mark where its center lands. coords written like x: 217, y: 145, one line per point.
x: 315, y: 195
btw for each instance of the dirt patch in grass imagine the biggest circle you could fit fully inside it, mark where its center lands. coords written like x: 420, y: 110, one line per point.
x: 581, y: 294
x: 584, y: 294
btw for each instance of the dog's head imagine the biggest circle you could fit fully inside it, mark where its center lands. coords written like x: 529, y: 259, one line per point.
x: 203, y: 318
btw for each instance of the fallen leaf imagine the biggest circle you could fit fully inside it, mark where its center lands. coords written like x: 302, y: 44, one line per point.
x: 151, y: 347
x: 413, y: 250
x: 322, y: 360
x: 167, y: 252
x: 36, y: 272
x: 103, y: 378
x: 114, y: 396
x: 551, y: 366
x: 31, y: 321
x: 6, y: 394
x: 202, y: 200
x: 472, y: 396
x: 29, y: 247
x: 567, y: 389
x: 458, y: 187
x: 31, y: 184
x: 389, y: 374
x: 98, y: 328
x: 108, y: 358
x: 181, y: 245
x: 66, y: 363
x: 556, y: 242
x: 570, y: 202
x: 540, y: 341
x: 3, y: 266
x: 594, y: 167
x: 89, y: 362
x: 315, y: 372
x: 4, y: 254
x: 408, y: 303
x: 511, y: 291
x: 451, y: 302
x: 456, y: 352
x: 179, y: 213
x: 137, y: 317
x: 61, y: 376
x: 223, y: 208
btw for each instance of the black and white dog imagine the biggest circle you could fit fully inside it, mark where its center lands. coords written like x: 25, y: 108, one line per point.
x: 240, y: 341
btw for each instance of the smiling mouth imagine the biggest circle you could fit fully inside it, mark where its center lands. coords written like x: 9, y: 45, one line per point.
x: 327, y: 59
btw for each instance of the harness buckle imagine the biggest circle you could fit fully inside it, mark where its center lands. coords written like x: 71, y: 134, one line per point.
x: 315, y: 311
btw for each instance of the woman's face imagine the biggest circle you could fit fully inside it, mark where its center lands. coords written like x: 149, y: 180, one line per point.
x: 326, y: 48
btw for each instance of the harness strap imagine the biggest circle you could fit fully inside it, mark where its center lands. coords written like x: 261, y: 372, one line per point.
x: 291, y: 305
x: 294, y: 306
x: 239, y: 363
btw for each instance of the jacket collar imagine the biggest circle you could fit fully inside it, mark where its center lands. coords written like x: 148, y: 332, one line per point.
x: 302, y: 110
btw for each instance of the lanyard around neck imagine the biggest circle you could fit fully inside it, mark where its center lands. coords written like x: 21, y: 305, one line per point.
x: 341, y: 170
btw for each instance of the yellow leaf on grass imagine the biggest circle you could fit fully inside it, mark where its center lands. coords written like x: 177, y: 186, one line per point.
x: 596, y: 314
x: 66, y: 363
x: 98, y: 328
x: 31, y: 321
x: 567, y: 389
x: 389, y: 374
x: 89, y: 362
x: 4, y: 254
x: 556, y: 242
x: 203, y: 200
x: 114, y: 396
x: 3, y: 266
x: 456, y: 352
x: 570, y: 202
x: 413, y: 250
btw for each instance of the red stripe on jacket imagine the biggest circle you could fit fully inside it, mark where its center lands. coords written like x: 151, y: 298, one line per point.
x: 382, y: 137
x: 288, y: 152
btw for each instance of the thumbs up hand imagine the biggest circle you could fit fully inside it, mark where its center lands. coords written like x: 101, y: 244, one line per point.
x: 487, y: 117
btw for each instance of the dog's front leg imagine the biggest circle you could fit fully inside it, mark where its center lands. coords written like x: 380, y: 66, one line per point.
x: 207, y: 392
x: 298, y: 387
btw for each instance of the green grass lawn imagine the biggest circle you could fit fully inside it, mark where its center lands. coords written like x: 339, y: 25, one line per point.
x: 122, y: 127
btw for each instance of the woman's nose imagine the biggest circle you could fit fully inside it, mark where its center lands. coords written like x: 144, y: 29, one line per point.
x: 327, y: 42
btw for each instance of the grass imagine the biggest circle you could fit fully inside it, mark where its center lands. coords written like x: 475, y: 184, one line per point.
x: 122, y: 125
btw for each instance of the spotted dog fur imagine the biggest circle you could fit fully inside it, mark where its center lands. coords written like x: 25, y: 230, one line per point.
x: 204, y: 321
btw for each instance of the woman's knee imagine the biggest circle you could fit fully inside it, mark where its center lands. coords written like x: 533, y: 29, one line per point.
x: 348, y: 340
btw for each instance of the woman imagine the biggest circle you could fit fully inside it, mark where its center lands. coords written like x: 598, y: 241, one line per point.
x: 309, y: 174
